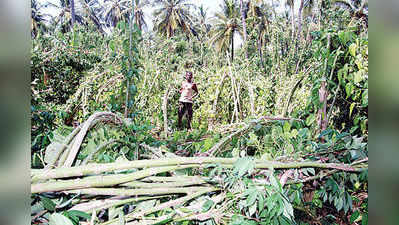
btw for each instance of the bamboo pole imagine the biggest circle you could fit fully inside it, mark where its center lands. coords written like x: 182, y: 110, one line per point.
x: 140, y: 184
x: 170, y: 179
x: 103, y: 180
x: 108, y: 203
x: 138, y: 192
x: 95, y: 168
x: 159, y: 207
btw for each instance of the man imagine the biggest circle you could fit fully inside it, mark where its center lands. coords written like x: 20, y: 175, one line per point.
x: 186, y: 99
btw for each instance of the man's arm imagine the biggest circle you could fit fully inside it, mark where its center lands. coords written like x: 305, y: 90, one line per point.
x: 181, y: 89
x: 195, y: 89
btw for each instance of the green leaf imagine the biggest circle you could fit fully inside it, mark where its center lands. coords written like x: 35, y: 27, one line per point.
x: 47, y: 204
x: 243, y: 165
x: 252, y: 209
x: 287, y: 127
x: 365, y: 98
x: 365, y: 219
x: 351, y: 108
x: 311, y: 170
x: 358, y: 77
x: 252, y: 198
x: 348, y: 89
x: 79, y: 214
x: 310, y: 120
x: 354, y: 216
x: 261, y: 203
x: 339, y: 204
x: 207, y: 205
x: 112, y: 45
x: 58, y: 219
x: 352, y: 49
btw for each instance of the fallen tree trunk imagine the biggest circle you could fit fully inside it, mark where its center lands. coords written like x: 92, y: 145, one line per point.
x: 93, y: 169
x: 82, y: 133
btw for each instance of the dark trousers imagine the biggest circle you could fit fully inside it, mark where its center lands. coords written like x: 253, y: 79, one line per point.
x: 183, y: 107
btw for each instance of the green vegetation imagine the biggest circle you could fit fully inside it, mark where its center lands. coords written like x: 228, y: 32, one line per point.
x: 280, y: 127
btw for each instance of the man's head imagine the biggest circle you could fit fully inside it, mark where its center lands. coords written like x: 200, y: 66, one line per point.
x: 189, y: 76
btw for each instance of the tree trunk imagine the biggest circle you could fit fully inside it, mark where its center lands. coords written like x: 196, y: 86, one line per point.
x: 293, y: 20
x: 244, y: 27
x: 260, y: 51
x: 72, y: 2
x: 323, y: 94
x: 232, y: 46
x: 319, y: 6
x: 300, y: 15
x: 165, y: 111
x: 130, y: 61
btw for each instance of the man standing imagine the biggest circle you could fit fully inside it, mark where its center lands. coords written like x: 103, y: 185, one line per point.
x: 186, y: 99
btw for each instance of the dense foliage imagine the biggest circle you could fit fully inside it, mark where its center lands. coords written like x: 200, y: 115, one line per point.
x: 107, y: 63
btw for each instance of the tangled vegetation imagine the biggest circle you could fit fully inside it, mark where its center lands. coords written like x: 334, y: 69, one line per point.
x: 280, y: 127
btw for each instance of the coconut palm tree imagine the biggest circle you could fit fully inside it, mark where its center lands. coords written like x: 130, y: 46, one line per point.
x: 357, y: 8
x: 139, y: 13
x: 225, y: 26
x: 305, y: 9
x: 37, y: 18
x: 63, y: 20
x: 257, y: 15
x: 202, y: 21
x: 115, y: 11
x: 73, y: 15
x: 173, y: 15
x: 291, y: 5
x: 92, y: 10
x: 244, y: 25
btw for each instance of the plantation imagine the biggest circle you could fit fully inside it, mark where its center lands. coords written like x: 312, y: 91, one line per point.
x: 279, y: 128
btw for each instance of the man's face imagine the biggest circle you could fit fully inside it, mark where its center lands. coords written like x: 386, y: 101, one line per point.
x: 189, y: 76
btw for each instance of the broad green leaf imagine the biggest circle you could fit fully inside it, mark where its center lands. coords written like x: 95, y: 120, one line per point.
x: 252, y: 198
x: 358, y: 77
x: 243, y: 165
x: 310, y: 120
x: 352, y: 49
x: 348, y: 89
x: 79, y: 214
x: 207, y: 205
x: 351, y: 108
x: 287, y: 127
x: 252, y: 209
x: 354, y: 216
x: 365, y: 98
x: 365, y: 219
x: 58, y: 219
x: 47, y: 203
x: 261, y: 203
